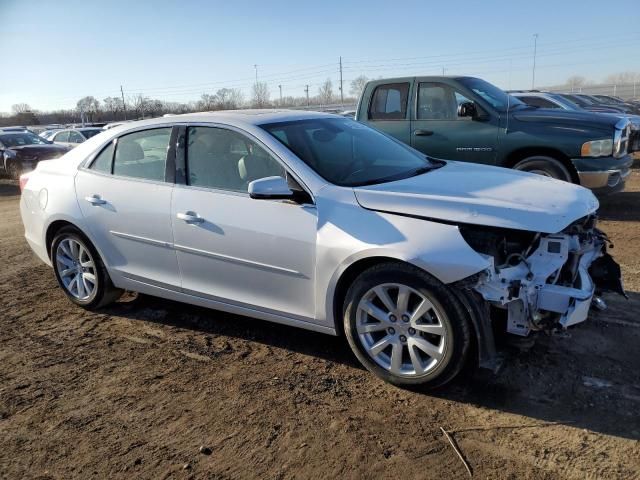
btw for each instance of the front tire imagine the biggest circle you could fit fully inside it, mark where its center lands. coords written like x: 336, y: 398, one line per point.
x: 546, y: 166
x: 405, y: 326
x: 80, y: 271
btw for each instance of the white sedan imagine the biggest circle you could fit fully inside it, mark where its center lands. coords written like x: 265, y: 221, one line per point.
x: 317, y: 221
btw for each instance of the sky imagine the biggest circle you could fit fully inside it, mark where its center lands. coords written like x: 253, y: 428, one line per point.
x: 55, y: 52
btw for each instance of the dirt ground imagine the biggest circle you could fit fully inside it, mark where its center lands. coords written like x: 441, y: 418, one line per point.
x: 136, y: 390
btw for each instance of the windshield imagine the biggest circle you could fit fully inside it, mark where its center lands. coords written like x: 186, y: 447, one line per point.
x: 23, y: 138
x: 497, y: 98
x: 90, y: 133
x: 347, y: 153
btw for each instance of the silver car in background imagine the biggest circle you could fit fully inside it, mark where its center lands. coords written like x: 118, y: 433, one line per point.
x: 316, y: 221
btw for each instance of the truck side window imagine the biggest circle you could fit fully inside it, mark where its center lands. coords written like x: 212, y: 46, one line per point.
x: 389, y: 102
x: 438, y: 101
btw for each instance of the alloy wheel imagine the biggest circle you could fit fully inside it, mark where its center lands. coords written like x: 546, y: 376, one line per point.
x: 401, y: 330
x: 76, y: 269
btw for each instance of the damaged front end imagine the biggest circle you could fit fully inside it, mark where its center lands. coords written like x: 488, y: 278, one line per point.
x: 543, y: 281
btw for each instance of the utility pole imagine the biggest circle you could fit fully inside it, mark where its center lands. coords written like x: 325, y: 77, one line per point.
x: 280, y: 87
x: 124, y: 105
x: 341, y: 94
x: 256, y: 67
x: 306, y: 89
x: 443, y: 70
x: 535, y: 51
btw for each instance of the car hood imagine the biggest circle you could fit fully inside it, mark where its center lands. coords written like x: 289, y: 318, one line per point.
x: 483, y: 195
x: 40, y: 149
x: 571, y: 117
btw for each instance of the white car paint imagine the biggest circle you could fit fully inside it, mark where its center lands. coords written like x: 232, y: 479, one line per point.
x: 282, y: 261
x: 483, y: 195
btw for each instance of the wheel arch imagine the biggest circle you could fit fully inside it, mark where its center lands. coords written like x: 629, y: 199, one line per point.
x: 521, y: 153
x: 483, y: 339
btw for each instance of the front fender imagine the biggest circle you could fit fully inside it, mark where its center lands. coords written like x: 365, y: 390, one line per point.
x: 436, y: 248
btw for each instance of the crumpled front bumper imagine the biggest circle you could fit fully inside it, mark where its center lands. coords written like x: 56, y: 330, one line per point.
x: 553, y: 285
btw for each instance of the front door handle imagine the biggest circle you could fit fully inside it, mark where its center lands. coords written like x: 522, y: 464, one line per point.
x: 190, y: 217
x: 423, y: 133
x: 95, y: 200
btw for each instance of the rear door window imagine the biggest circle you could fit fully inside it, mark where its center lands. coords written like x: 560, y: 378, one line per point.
x: 143, y: 154
x: 61, y: 137
x: 75, y: 137
x: 389, y: 102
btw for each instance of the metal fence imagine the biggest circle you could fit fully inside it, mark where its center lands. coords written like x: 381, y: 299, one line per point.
x: 622, y: 90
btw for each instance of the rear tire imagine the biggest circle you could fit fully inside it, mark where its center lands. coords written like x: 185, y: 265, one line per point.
x: 80, y: 271
x: 543, y: 165
x: 406, y: 326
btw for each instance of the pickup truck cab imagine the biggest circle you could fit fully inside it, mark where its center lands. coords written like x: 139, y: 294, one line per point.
x: 471, y: 120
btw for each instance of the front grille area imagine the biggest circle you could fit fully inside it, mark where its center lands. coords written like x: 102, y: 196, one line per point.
x: 634, y: 141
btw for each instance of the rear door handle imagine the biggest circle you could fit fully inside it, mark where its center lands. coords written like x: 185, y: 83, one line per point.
x: 423, y: 133
x: 95, y: 200
x: 190, y: 217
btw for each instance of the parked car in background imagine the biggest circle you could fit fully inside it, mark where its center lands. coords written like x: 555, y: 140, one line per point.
x: 469, y: 119
x: 554, y: 100
x: 14, y: 129
x: 589, y: 103
x: 627, y: 107
x: 317, y: 221
x: 536, y: 98
x: 21, y: 152
x: 47, y: 134
x: 74, y: 136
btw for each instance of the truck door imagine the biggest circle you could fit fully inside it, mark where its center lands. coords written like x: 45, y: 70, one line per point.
x: 439, y: 131
x: 388, y: 112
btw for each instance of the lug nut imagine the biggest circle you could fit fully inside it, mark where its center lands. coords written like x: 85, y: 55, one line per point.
x: 391, y: 330
x: 392, y: 318
x: 405, y: 318
x: 403, y: 338
x: 412, y: 331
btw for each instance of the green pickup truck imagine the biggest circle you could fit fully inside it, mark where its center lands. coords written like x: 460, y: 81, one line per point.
x: 469, y: 119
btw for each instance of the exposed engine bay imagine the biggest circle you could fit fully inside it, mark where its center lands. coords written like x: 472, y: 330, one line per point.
x: 544, y: 281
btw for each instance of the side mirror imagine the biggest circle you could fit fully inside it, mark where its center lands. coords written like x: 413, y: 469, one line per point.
x: 270, y: 188
x: 467, y: 109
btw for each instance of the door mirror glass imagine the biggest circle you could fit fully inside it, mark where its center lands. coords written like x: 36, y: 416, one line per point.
x: 467, y: 109
x: 270, y: 188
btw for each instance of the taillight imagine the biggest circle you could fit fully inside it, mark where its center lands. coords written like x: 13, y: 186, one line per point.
x: 24, y: 178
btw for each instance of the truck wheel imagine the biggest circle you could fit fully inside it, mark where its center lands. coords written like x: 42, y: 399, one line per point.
x: 405, y: 326
x: 543, y: 165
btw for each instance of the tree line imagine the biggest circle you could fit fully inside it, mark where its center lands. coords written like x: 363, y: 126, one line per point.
x: 139, y: 106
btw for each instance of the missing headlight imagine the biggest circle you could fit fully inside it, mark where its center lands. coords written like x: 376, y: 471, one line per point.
x: 500, y: 243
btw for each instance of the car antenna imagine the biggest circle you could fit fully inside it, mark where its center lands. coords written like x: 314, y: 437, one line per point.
x: 506, y: 125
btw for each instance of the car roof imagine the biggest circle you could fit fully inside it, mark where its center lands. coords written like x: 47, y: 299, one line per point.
x: 232, y: 117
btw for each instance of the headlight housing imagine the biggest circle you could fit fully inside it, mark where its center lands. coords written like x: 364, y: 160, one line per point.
x: 597, y: 148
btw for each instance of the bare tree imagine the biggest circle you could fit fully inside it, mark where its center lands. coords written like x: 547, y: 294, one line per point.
x: 206, y: 103
x: 357, y: 85
x: 88, y: 106
x: 112, y: 105
x: 260, y: 95
x: 140, y: 104
x: 577, y: 82
x: 325, y: 92
x: 20, y: 108
x: 229, y: 98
